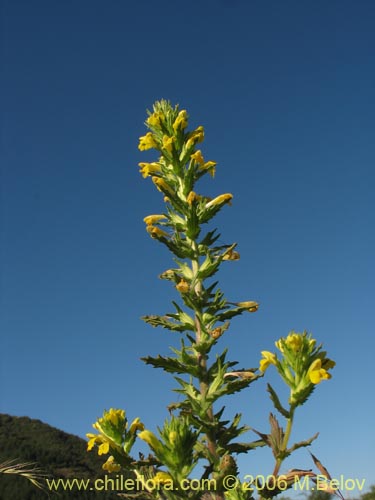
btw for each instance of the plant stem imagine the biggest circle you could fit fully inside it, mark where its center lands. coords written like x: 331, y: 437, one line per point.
x: 284, y: 445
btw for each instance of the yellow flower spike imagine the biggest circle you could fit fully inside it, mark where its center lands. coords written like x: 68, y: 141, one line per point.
x: 103, y: 448
x: 148, y: 169
x: 250, y: 305
x: 150, y: 439
x: 154, y: 119
x: 222, y: 198
x: 197, y: 157
x: 152, y: 219
x: 168, y: 143
x: 316, y: 373
x: 111, y: 466
x: 136, y: 425
x: 183, y: 286
x: 181, y: 121
x: 156, y: 232
x: 268, y: 359
x: 147, y: 142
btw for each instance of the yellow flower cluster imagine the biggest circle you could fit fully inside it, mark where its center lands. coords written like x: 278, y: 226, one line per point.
x: 113, y: 423
x: 301, y: 357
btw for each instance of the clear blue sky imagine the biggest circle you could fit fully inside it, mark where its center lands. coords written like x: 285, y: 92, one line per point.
x: 285, y: 90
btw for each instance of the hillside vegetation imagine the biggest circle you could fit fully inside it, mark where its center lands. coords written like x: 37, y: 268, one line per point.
x: 57, y: 453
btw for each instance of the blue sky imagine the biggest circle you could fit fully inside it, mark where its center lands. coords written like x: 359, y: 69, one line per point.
x: 285, y: 91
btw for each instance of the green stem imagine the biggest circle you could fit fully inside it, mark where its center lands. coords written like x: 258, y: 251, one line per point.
x: 285, y: 442
x: 202, y: 358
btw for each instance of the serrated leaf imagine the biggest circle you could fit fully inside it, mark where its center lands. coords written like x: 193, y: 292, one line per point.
x: 276, y: 402
x: 303, y: 444
x: 172, y: 365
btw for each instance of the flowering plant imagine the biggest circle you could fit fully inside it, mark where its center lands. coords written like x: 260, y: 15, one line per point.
x: 196, y: 436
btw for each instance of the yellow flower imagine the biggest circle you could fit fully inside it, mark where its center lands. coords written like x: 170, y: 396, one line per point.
x: 93, y: 439
x: 111, y: 466
x: 197, y: 157
x: 149, y: 169
x: 180, y: 121
x: 210, y: 166
x: 250, y: 305
x: 103, y: 448
x: 195, y: 136
x: 279, y: 345
x: 150, y: 439
x: 268, y: 359
x: 154, y: 119
x: 156, y: 232
x: 219, y: 200
x: 192, y: 197
x: 316, y: 373
x: 162, y: 477
x: 168, y: 143
x: 183, y: 286
x: 232, y: 255
x: 152, y: 219
x: 162, y: 185
x: 136, y: 425
x: 217, y: 332
x: 147, y: 142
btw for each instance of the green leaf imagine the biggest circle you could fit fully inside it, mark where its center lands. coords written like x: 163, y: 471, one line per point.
x: 172, y: 365
x: 276, y: 402
x: 303, y: 444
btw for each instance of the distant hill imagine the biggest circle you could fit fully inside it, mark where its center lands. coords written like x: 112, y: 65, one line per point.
x: 57, y: 453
